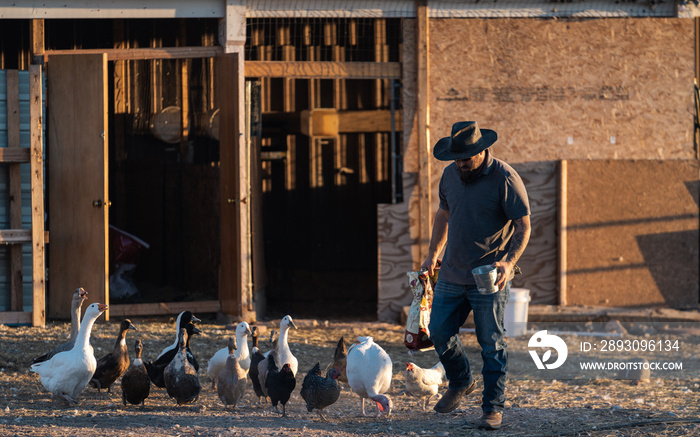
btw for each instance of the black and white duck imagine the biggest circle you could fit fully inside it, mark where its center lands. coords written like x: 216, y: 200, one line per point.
x: 183, y: 319
x: 113, y: 365
x: 155, y: 369
x: 67, y: 373
x: 79, y: 296
x: 180, y: 377
x: 136, y: 385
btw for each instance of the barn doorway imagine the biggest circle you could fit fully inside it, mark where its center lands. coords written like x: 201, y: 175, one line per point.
x: 328, y: 149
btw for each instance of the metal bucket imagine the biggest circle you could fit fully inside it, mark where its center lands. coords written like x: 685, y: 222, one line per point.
x: 485, y: 277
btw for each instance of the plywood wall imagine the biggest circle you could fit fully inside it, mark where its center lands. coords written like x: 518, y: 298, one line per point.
x: 632, y: 233
x: 558, y: 89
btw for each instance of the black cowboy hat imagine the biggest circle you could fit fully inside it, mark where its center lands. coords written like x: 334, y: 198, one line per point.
x: 466, y: 141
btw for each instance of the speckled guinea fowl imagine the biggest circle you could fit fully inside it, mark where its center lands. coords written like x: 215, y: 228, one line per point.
x: 232, y: 379
x: 136, y: 385
x: 320, y: 392
x: 155, y: 369
x: 180, y: 377
x: 79, y: 296
x: 114, y: 364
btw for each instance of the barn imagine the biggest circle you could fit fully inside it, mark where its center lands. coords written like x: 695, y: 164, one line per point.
x: 256, y: 158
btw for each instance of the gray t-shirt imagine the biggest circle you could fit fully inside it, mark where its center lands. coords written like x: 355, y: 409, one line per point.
x: 481, y: 215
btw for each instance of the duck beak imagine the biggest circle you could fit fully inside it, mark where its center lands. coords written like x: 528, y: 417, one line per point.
x: 248, y: 332
x: 102, y: 307
x: 194, y: 319
x: 82, y: 293
x: 291, y: 323
x: 196, y: 330
x: 131, y: 326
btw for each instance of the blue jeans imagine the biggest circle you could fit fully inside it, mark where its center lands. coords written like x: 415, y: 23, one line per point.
x: 452, y: 303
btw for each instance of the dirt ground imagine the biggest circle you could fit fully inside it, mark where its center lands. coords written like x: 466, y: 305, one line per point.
x: 591, y: 407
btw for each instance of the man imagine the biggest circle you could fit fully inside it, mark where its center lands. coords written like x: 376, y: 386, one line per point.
x: 484, y: 218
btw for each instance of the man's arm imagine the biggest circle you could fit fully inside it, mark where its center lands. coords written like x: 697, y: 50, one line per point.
x: 437, y: 240
x: 518, y: 242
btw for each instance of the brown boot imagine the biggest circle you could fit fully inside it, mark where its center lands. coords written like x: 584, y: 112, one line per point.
x: 452, y: 398
x: 490, y: 420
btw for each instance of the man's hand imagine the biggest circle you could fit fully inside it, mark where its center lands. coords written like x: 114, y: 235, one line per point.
x: 505, y: 270
x: 429, y: 265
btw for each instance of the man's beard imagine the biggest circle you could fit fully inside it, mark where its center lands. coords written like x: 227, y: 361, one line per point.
x: 469, y: 176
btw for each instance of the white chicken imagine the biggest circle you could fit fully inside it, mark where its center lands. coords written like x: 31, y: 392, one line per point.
x: 242, y: 354
x: 66, y: 374
x: 369, y: 371
x: 424, y: 383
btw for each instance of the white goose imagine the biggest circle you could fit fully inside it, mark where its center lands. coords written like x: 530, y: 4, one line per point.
x: 284, y: 354
x: 242, y: 354
x: 79, y: 296
x: 66, y: 374
x: 369, y: 373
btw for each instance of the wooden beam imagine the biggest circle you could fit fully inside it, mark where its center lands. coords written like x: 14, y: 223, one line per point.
x: 37, y: 41
x: 36, y: 129
x: 16, y: 318
x: 324, y: 70
x: 423, y: 126
x: 13, y: 155
x: 144, y: 53
x: 163, y: 308
x: 378, y: 120
x: 14, y: 236
x: 561, y: 208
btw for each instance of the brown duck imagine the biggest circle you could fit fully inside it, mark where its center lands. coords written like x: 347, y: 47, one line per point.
x: 136, y: 385
x: 114, y: 364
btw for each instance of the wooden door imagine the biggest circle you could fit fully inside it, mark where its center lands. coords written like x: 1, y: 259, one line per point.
x: 235, y: 276
x: 77, y: 167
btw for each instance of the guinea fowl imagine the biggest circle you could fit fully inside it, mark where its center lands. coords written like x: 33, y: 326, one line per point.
x: 231, y: 381
x: 320, y: 392
x: 67, y: 373
x: 180, y: 377
x: 135, y: 382
x: 424, y: 383
x: 218, y: 360
x: 263, y: 365
x: 79, y: 296
x: 183, y: 319
x: 280, y: 383
x: 369, y: 373
x: 155, y: 369
x: 255, y: 358
x: 114, y: 364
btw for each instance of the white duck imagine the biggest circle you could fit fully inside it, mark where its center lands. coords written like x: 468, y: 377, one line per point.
x: 284, y: 354
x: 369, y: 373
x: 79, y: 296
x: 218, y: 360
x: 67, y: 373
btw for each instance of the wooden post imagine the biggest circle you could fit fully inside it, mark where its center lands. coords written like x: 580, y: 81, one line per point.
x: 15, y: 185
x: 423, y: 117
x: 562, y: 230
x: 36, y: 164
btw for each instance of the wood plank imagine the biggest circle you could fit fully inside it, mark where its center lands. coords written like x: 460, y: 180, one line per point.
x: 14, y: 155
x: 563, y: 175
x: 13, y: 236
x: 423, y: 123
x: 15, y: 318
x: 15, y: 187
x: 37, y: 41
x: 36, y: 111
x: 164, y: 308
x: 378, y: 120
x: 325, y: 70
x: 143, y: 53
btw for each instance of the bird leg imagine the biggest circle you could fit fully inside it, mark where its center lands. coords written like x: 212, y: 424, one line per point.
x: 284, y: 410
x: 68, y: 399
x: 320, y: 413
x: 362, y: 403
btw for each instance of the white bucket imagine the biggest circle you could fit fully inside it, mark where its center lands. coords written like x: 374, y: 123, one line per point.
x: 516, y: 312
